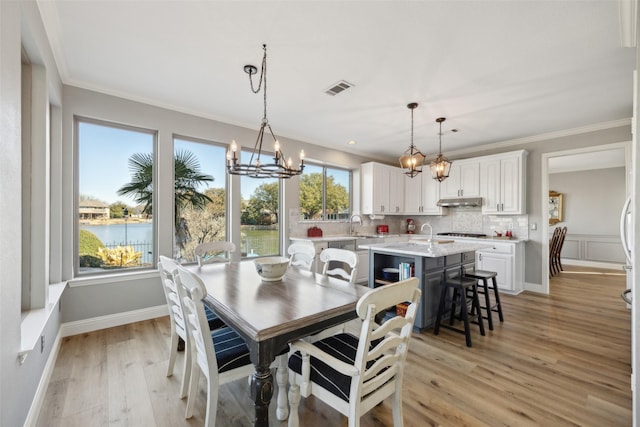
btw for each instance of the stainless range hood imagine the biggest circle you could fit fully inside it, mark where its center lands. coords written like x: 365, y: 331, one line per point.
x: 461, y: 202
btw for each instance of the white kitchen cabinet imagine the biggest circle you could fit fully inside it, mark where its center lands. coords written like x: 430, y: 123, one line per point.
x: 503, y: 183
x: 421, y: 195
x: 507, y: 260
x: 382, y: 189
x: 431, y: 195
x: 463, y: 180
x: 362, y: 275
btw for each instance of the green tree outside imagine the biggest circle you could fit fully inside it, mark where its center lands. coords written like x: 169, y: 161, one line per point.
x: 311, y: 196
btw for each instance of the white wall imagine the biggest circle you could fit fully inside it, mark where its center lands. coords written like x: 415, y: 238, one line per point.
x: 20, y: 26
x: 591, y: 199
x: 104, y: 296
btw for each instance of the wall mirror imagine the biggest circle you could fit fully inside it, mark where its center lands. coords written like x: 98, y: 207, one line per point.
x: 555, y: 207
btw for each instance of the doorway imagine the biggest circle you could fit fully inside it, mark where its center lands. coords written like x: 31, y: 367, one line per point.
x: 588, y: 158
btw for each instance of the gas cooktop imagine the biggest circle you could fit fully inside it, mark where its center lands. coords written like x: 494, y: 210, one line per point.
x: 462, y: 234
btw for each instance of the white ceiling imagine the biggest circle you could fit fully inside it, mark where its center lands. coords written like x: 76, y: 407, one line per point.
x: 497, y: 70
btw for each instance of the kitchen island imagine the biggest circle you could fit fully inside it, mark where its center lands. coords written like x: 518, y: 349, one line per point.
x: 430, y: 262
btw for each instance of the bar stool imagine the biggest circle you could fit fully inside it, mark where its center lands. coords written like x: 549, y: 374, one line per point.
x: 483, y: 276
x: 459, y: 287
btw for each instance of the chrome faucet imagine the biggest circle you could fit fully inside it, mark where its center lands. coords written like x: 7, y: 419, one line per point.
x: 430, y: 230
x: 351, y: 222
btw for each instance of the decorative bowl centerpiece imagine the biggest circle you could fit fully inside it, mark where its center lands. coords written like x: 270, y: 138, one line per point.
x: 272, y: 268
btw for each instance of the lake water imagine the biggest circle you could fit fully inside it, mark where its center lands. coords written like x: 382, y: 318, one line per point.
x: 109, y: 234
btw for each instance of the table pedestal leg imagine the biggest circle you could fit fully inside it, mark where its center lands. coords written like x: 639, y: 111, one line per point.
x: 261, y: 393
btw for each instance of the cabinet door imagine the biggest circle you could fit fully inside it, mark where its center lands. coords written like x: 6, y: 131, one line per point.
x: 431, y: 195
x: 490, y: 189
x: 430, y: 298
x: 501, y: 264
x: 413, y: 194
x: 374, y: 185
x: 463, y: 181
x: 362, y: 275
x: 395, y: 190
x: 511, y: 186
x: 470, y: 179
x: 451, y: 186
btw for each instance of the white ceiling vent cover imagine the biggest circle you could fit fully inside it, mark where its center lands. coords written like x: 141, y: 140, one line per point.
x: 338, y: 87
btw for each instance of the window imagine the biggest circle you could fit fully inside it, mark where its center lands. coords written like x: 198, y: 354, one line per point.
x: 115, y: 197
x: 200, y: 195
x: 259, y: 222
x: 325, y: 193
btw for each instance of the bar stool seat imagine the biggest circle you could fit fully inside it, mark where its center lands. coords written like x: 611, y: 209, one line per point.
x: 483, y: 277
x: 459, y: 286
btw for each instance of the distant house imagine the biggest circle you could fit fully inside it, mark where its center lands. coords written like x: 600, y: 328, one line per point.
x: 93, y: 209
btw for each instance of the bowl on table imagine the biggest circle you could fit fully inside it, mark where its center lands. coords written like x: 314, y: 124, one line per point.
x: 272, y: 268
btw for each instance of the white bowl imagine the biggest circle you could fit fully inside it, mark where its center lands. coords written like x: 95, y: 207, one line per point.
x: 272, y: 268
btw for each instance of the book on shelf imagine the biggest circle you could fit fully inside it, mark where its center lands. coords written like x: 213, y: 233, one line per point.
x: 407, y: 270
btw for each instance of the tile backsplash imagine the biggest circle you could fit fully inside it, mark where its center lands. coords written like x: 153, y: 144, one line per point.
x: 470, y: 220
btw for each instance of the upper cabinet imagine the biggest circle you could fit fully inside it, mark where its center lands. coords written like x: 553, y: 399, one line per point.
x: 421, y: 195
x: 503, y: 185
x: 463, y: 180
x: 382, y: 189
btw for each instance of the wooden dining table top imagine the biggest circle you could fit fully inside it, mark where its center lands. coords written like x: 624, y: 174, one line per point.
x: 264, y: 309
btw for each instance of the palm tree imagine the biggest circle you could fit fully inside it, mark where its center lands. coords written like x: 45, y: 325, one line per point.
x: 187, y: 178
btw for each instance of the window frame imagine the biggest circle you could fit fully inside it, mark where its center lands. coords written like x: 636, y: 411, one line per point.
x: 324, y: 191
x: 77, y: 120
x: 227, y: 202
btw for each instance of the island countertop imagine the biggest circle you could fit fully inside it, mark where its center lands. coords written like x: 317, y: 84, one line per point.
x: 438, y: 248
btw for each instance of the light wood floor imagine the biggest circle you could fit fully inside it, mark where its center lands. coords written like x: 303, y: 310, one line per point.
x: 557, y: 360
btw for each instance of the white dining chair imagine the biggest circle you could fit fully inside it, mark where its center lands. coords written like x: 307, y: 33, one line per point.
x: 167, y: 268
x: 221, y: 355
x: 302, y: 255
x: 334, y: 263
x: 212, y: 252
x: 355, y: 373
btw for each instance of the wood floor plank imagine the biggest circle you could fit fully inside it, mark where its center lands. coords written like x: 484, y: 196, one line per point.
x: 562, y: 359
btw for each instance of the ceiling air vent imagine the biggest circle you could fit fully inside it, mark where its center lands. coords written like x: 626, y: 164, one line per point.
x: 338, y: 87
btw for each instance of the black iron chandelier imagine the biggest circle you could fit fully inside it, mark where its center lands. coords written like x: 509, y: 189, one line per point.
x: 412, y: 159
x: 440, y: 166
x: 279, y: 168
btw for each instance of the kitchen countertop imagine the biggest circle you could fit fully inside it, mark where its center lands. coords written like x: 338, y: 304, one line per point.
x: 422, y: 248
x: 410, y: 237
x: 344, y: 237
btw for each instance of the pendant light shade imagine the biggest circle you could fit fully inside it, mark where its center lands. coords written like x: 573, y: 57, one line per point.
x: 441, y: 166
x: 412, y: 159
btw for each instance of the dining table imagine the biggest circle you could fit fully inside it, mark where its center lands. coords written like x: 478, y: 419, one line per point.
x: 271, y: 314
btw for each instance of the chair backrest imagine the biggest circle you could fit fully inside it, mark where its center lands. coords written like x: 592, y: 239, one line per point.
x: 334, y: 260
x: 168, y: 268
x: 302, y: 255
x: 209, y: 252
x: 563, y: 234
x: 385, y: 343
x: 192, y: 291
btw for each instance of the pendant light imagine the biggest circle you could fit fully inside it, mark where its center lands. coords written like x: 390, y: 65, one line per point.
x: 441, y: 166
x: 412, y: 159
x: 279, y: 168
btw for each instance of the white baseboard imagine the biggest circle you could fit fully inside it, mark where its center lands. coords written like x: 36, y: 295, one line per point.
x: 41, y: 391
x: 81, y: 327
x: 593, y: 264
x: 111, y: 320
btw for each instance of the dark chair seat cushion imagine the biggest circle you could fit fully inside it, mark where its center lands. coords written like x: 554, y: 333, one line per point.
x: 214, y: 321
x: 340, y: 346
x: 231, y: 350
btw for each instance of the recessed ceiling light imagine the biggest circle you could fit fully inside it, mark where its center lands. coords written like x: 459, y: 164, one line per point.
x: 352, y: 142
